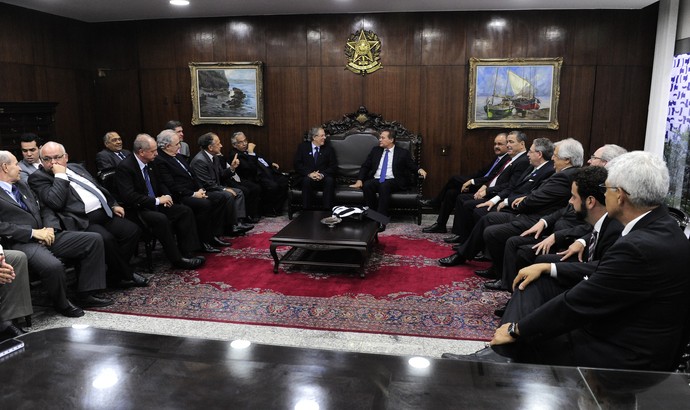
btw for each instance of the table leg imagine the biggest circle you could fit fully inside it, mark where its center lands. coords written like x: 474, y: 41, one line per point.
x: 276, y: 261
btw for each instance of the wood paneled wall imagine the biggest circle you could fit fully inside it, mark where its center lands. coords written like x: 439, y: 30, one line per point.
x: 605, y: 79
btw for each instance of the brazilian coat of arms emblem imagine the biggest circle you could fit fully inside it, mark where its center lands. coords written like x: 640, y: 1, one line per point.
x: 363, y: 51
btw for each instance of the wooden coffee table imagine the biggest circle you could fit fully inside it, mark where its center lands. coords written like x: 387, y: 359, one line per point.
x: 346, y: 245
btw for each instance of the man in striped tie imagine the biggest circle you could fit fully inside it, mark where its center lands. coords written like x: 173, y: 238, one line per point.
x: 386, y: 170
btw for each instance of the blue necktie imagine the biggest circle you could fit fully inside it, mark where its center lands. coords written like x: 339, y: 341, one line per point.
x: 384, y: 168
x: 493, y: 166
x: 147, y: 179
x: 316, y: 154
x: 18, y: 197
x: 592, y: 246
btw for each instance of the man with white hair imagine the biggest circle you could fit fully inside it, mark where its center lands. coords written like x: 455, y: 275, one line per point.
x: 631, y: 313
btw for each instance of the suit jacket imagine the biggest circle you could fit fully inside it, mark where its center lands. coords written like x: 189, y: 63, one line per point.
x: 509, y: 177
x: 210, y: 172
x: 180, y: 180
x: 251, y: 169
x: 525, y: 183
x: 481, y: 177
x: 304, y: 164
x: 25, y: 170
x: 551, y: 194
x: 571, y: 273
x: 632, y: 311
x: 403, y: 166
x: 58, y: 195
x: 131, y: 186
x: 107, y: 159
x: 16, y: 223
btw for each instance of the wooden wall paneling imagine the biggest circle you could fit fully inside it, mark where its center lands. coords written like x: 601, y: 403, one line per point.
x: 335, y: 30
x: 245, y: 39
x: 17, y: 37
x: 609, y: 103
x: 551, y: 37
x: 396, y: 32
x: 614, y: 36
x: 67, y: 87
x: 342, y: 92
x: 575, y: 111
x: 18, y: 82
x: 313, y: 97
x: 486, y: 36
x: 157, y: 89
x: 443, y: 39
x: 198, y: 39
x: 413, y: 109
x: 313, y: 38
x: 637, y: 86
x: 584, y: 38
x: 157, y: 43
x: 642, y: 36
x: 114, y: 46
x: 117, y: 105
x: 182, y: 98
x: 286, y: 41
x: 384, y: 90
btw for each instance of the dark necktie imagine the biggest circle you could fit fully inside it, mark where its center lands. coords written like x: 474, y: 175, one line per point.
x: 384, y: 167
x: 18, y: 197
x: 183, y: 167
x: 498, y: 159
x: 147, y: 179
x: 592, y: 246
x: 120, y: 155
x: 316, y: 154
x: 493, y: 181
x: 96, y: 192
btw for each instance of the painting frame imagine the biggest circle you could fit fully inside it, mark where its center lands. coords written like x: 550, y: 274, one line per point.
x: 227, y: 93
x: 514, y: 92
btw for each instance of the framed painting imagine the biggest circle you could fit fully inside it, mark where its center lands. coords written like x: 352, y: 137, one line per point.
x: 514, y: 93
x: 227, y: 93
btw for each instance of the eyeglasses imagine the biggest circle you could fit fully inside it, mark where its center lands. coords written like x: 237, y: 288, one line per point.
x: 604, y: 188
x: 240, y: 142
x: 54, y: 158
x: 595, y: 157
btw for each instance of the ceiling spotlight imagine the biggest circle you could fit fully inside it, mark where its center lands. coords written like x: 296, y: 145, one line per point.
x: 179, y: 2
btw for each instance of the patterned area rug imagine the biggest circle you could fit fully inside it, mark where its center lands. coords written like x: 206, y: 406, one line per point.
x: 405, y: 291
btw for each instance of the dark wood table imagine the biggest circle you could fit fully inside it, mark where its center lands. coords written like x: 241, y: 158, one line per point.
x: 345, y: 245
x: 94, y: 368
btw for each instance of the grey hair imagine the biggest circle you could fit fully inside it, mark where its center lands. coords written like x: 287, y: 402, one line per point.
x: 107, y: 135
x: 142, y: 141
x: 233, y: 139
x: 313, y: 132
x: 165, y: 138
x: 611, y: 151
x: 521, y: 136
x: 545, y: 146
x: 5, y: 157
x: 571, y: 149
x: 60, y: 146
x: 642, y: 175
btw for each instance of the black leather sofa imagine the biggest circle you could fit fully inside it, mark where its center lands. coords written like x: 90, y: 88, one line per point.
x: 352, y: 138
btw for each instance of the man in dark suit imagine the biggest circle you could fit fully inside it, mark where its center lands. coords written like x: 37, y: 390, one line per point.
x: 214, y: 175
x: 139, y: 187
x: 108, y: 158
x: 467, y: 212
x: 210, y: 210
x: 30, y: 143
x: 82, y: 204
x: 532, y: 179
x: 457, y: 184
x: 15, y: 293
x: 632, y: 311
x: 255, y: 168
x: 316, y: 165
x: 387, y: 169
x: 37, y: 232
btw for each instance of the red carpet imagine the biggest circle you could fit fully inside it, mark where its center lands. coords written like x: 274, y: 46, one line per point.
x: 405, y: 292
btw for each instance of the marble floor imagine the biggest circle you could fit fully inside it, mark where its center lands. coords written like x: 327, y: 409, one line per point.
x: 46, y: 318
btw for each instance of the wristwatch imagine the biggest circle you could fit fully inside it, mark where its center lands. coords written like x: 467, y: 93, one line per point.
x: 512, y: 331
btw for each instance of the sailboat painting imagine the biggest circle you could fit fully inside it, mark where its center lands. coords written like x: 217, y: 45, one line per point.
x: 514, y: 93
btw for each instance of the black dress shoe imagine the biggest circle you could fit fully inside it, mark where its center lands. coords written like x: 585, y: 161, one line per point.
x: 427, y: 203
x: 382, y: 228
x: 11, y: 332
x: 486, y: 273
x: 435, y: 228
x: 500, y: 312
x: 251, y: 220
x: 218, y: 242
x: 457, y: 246
x: 189, y: 263
x: 239, y: 230
x: 70, y: 311
x: 487, y: 354
x: 91, y: 301
x: 481, y: 257
x: 452, y: 260
x: 494, y: 285
x: 206, y: 248
x: 139, y: 280
x: 453, y: 239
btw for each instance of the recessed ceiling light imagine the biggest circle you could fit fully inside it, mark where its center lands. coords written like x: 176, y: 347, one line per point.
x: 179, y: 2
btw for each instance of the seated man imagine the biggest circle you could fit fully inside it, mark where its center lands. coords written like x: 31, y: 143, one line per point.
x: 178, y: 177
x: 253, y: 167
x: 387, y: 169
x: 632, y: 311
x: 445, y: 200
x: 184, y: 147
x: 36, y: 231
x: 15, y: 293
x: 316, y: 166
x: 29, y: 164
x: 108, y: 158
x: 142, y: 193
x: 82, y: 204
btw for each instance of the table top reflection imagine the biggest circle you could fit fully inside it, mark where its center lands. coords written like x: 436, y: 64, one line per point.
x: 97, y: 368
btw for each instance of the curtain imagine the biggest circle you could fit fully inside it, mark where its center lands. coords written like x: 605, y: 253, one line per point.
x: 678, y: 133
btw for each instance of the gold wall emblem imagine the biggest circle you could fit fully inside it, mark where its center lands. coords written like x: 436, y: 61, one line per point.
x: 363, y: 51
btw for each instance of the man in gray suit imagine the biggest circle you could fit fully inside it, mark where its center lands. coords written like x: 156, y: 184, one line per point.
x: 108, y: 158
x: 30, y: 143
x: 15, y: 294
x: 37, y: 232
